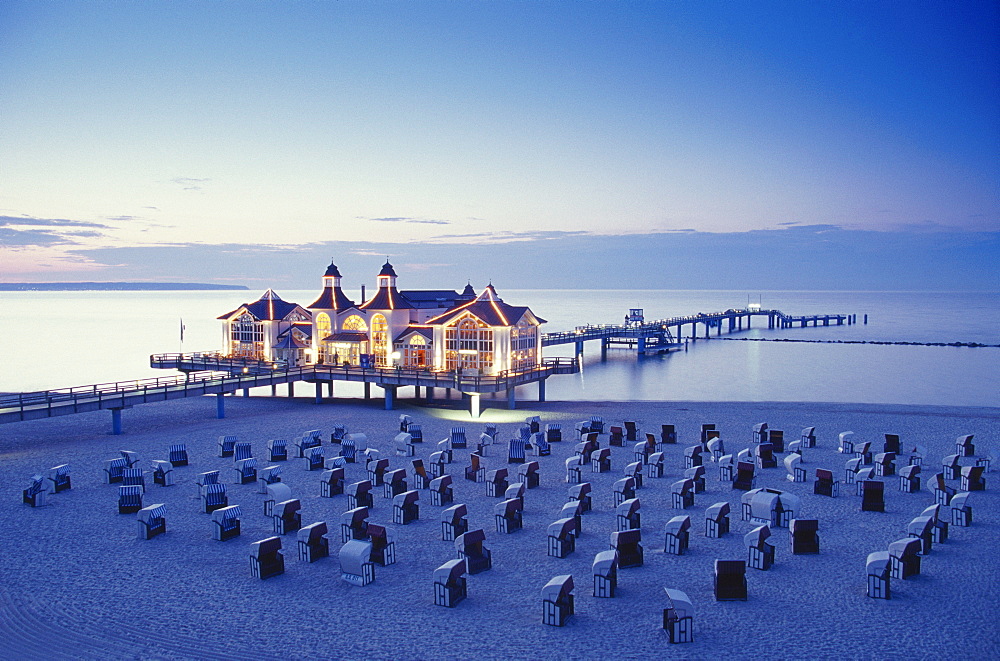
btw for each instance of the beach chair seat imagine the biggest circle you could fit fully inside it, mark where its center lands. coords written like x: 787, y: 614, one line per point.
x: 961, y: 510
x: 458, y: 440
x: 573, y: 510
x: 553, y: 432
x: 266, y: 558
x: 668, y: 434
x: 707, y: 434
x: 508, y: 515
x: 354, y: 524
x: 759, y: 433
x: 454, y: 522
x: 803, y: 536
x: 312, y: 542
x: 716, y: 448
x: 717, y: 520
x: 359, y: 494
x: 226, y: 523
x: 605, y: 568
x: 442, y: 492
x: 470, y: 547
x: 574, y: 470
x: 421, y: 479
x: 376, y: 471
x: 943, y: 492
x: 267, y: 476
x: 277, y: 450
x: 163, y: 473
x: 534, y: 424
x: 616, y: 436
x: 416, y: 433
x: 891, y: 443
x: 972, y: 478
x: 436, y: 464
x: 878, y: 567
x: 450, y: 584
x: 776, y: 439
x: 904, y: 558
x: 113, y: 470
x: 825, y: 484
x: 404, y: 422
x: 845, y: 442
x: 744, y: 480
x: 35, y: 494
x: 245, y: 471
x: 794, y: 469
x: 539, y: 446
x: 631, y: 431
x: 730, y: 581
x: 693, y: 456
x: 654, y: 465
x: 909, y: 479
x: 623, y: 490
x: 515, y: 451
x: 475, y: 471
x: 496, y: 482
x: 286, y: 516
x: 600, y: 460
x: 58, y: 478
x: 383, y: 551
x: 628, y: 546
x: 403, y: 445
x: 356, y: 566
x: 964, y: 446
x: 808, y: 437
x: 922, y: 528
x: 129, y: 499
x: 134, y: 477
x: 338, y: 434
x: 677, y: 535
x: 678, y: 617
x: 242, y: 450
x: 528, y: 474
x: 760, y: 552
x: 557, y: 600
x: 226, y: 445
x: 331, y: 483
x: 682, y: 494
x: 177, y: 455
x: 697, y: 475
x: 764, y: 456
x: 628, y: 516
x: 872, y: 496
x: 406, y: 508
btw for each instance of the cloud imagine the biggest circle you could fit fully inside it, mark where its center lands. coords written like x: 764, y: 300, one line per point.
x: 507, y: 237
x: 31, y: 221
x: 189, y: 183
x: 406, y: 219
x: 24, y: 238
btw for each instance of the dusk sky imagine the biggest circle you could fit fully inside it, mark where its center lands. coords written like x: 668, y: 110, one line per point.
x: 574, y: 143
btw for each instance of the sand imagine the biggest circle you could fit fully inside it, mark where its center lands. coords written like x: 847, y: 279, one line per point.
x: 77, y: 583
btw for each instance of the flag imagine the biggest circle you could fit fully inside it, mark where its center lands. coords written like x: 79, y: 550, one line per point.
x: 182, y: 329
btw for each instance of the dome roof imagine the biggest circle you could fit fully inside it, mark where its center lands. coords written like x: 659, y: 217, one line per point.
x: 387, y: 269
x: 332, y: 271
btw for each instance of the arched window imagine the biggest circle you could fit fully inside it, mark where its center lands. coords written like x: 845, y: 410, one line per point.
x: 355, y: 323
x: 323, y: 328
x: 380, y: 340
x: 247, y: 337
x: 469, y: 345
x: 415, y: 352
x: 523, y: 345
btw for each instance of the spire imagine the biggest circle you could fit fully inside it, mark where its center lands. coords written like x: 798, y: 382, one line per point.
x: 387, y: 269
x: 332, y: 271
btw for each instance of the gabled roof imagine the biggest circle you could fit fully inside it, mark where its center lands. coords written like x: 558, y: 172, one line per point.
x: 387, y: 298
x: 289, y: 342
x: 427, y: 333
x: 489, y: 308
x: 269, y: 307
x: 332, y: 298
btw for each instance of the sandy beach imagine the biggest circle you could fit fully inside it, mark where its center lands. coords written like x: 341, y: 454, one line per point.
x: 77, y: 583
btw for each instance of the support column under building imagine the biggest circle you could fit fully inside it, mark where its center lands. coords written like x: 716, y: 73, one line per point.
x: 390, y: 396
x: 291, y: 389
x: 579, y: 348
x: 368, y: 390
x: 319, y: 392
x: 220, y: 405
x: 474, y: 404
x: 511, y: 399
x: 604, y: 349
x: 116, y: 421
x: 541, y: 390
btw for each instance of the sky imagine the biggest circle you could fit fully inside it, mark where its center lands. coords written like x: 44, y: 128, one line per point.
x: 548, y: 144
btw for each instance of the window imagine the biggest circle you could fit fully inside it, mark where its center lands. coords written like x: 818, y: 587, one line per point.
x: 523, y: 345
x: 469, y: 344
x: 355, y: 323
x: 323, y: 328
x: 415, y: 352
x: 247, y: 337
x: 380, y: 340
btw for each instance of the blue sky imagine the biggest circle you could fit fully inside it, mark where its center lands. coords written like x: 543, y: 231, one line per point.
x: 147, y: 140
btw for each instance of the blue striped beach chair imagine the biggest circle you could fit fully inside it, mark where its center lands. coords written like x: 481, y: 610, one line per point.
x: 213, y: 497
x: 277, y: 449
x: 113, y: 470
x: 129, y: 499
x: 313, y: 543
x: 133, y: 477
x: 152, y: 521
x: 491, y: 431
x: 266, y: 476
x: 597, y: 424
x: 416, y: 433
x: 245, y: 471
x: 338, y: 434
x: 34, y: 495
x: 347, y: 450
x: 226, y: 523
x: 540, y: 445
x: 58, y: 477
x: 178, y: 455
x: 553, y: 432
x: 515, y: 451
x: 242, y: 450
x: 226, y: 444
x: 314, y: 459
x: 458, y: 438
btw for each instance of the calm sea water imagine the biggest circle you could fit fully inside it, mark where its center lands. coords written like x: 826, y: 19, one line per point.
x: 59, y: 339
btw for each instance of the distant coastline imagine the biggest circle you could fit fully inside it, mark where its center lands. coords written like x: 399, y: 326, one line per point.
x: 114, y: 286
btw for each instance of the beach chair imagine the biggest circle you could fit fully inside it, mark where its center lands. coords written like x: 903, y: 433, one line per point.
x: 716, y: 448
x: 383, y: 549
x: 776, y: 439
x: 909, y: 479
x: 312, y: 459
x: 450, y: 584
x: 793, y: 468
x: 885, y: 464
x: 58, y: 478
x: 972, y: 478
x: 405, y: 508
x: 628, y: 546
x: 845, y: 442
x: 553, y: 432
x: 356, y: 566
x: 851, y: 468
x: 490, y: 429
x: 308, y: 441
x: 557, y: 600
x: 534, y: 424
x: 354, y: 524
x: 727, y: 468
x: 403, y: 445
x: 730, y: 580
x: 130, y: 457
x: 605, y: 570
x: 469, y: 546
x: 275, y: 493
x: 359, y: 494
x: 394, y: 483
x: 266, y: 559
x: 376, y: 471
x: 242, y: 450
x: 508, y: 515
x: 682, y: 494
x: 177, y: 455
x: 872, y: 496
x: 624, y: 489
x: 515, y: 451
x: 454, y: 522
x: 286, y: 516
x: 678, y: 617
x: 528, y: 474
x: 693, y: 456
x: 496, y: 482
x: 764, y: 456
x: 600, y: 460
x: 891, y: 443
x: 654, y: 465
x: 335, y: 461
x: 338, y: 434
x: 421, y: 480
x: 442, y: 492
x: 163, y: 473
x: 616, y: 436
x: 628, y: 516
x: 825, y: 484
x: 961, y: 510
x: 573, y: 510
x: 951, y: 467
x: 760, y: 552
x: 416, y: 433
x: 943, y: 493
x: 129, y: 499
x: 475, y: 471
x: 348, y: 449
x: 697, y: 475
x: 863, y: 452
x: 226, y: 523
x: 596, y: 424
x: 213, y: 497
x: 574, y: 470
x: 458, y: 440
x: 226, y: 444
x: 760, y: 433
x: 539, y: 446
x: 631, y: 431
x: 483, y: 445
x: 878, y: 567
x: 922, y: 528
x: 904, y: 558
x: 515, y: 490
x: 717, y: 520
x: 277, y: 450
x: 808, y: 437
x: 770, y: 506
x: 113, y: 470
x: 964, y: 446
x: 677, y: 535
x: 706, y: 433
x: 331, y: 483
x: 803, y: 536
x: 266, y: 476
x: 404, y: 422
x: 582, y: 493
x: 134, y: 477
x: 245, y: 471
x: 668, y: 434
x: 36, y: 492
x: 313, y: 544
x: 436, y: 464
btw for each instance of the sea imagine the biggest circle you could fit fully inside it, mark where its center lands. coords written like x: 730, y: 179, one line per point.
x: 61, y: 339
